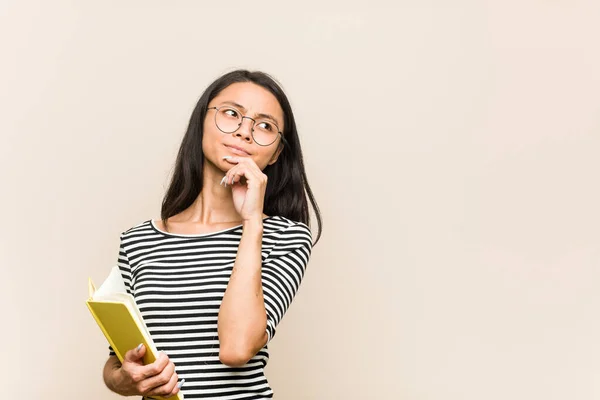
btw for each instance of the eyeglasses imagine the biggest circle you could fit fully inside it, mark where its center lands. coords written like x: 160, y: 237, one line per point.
x: 228, y: 119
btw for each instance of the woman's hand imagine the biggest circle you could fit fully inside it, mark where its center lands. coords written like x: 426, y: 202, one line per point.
x: 248, y: 187
x: 134, y: 378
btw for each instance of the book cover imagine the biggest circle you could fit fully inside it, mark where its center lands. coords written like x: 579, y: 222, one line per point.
x: 119, y: 318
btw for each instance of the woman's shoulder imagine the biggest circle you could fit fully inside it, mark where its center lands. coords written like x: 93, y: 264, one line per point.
x: 143, y: 227
x: 283, y: 228
x: 281, y: 223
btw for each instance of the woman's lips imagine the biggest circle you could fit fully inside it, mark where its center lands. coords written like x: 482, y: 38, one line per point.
x: 237, y: 151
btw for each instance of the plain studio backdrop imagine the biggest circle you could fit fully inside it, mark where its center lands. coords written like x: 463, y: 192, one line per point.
x: 454, y: 149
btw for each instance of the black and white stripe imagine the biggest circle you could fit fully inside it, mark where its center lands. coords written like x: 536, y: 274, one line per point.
x: 178, y: 282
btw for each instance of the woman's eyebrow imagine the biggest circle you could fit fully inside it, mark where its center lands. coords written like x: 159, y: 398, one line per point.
x: 259, y: 115
x: 233, y: 103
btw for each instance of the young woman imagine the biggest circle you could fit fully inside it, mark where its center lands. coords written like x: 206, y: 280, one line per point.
x: 216, y: 274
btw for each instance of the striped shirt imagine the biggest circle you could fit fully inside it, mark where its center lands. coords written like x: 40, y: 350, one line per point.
x: 178, y: 282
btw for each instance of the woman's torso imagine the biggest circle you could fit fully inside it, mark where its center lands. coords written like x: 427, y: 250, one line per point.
x: 178, y: 282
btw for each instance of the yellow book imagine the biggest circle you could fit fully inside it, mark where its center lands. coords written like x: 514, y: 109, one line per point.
x: 119, y: 318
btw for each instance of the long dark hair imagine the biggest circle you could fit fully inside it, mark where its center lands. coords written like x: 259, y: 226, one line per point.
x: 288, y: 191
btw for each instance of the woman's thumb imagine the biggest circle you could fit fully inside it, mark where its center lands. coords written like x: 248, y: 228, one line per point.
x: 136, y: 354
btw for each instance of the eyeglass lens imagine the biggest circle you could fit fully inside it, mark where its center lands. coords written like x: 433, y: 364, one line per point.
x: 229, y: 119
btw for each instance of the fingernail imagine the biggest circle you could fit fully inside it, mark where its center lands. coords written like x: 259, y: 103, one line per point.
x: 180, y: 384
x: 226, y: 157
x: 223, y: 180
x: 139, y: 347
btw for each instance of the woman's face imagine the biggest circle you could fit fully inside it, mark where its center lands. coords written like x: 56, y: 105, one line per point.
x: 250, y: 100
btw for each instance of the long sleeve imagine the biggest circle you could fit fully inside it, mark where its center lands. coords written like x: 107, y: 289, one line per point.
x: 283, y: 271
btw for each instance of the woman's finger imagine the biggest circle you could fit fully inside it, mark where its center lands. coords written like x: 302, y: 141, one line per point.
x: 236, y: 177
x: 237, y: 173
x: 156, y: 367
x: 232, y: 159
x: 227, y: 178
x: 157, y: 380
x: 228, y: 175
x: 165, y: 388
x: 243, y: 161
x: 247, y: 172
x: 243, y: 168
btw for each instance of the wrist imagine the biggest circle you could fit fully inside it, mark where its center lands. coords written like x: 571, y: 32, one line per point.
x: 115, y: 382
x: 253, y: 223
x: 111, y: 377
x: 253, y: 226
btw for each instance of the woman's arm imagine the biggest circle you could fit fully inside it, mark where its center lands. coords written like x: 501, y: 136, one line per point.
x: 247, y: 316
x: 242, y: 321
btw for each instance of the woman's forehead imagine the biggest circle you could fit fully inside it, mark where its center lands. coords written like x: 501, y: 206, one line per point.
x: 251, y: 97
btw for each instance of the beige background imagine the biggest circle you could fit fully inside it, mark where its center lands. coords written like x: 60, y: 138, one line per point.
x: 453, y: 148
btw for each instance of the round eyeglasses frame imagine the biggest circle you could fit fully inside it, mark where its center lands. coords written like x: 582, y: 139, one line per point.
x: 280, y: 134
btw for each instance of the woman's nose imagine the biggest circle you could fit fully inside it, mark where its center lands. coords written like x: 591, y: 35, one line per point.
x: 245, y: 129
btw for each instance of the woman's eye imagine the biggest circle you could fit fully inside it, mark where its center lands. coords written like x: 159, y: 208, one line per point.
x: 231, y: 113
x: 265, y: 126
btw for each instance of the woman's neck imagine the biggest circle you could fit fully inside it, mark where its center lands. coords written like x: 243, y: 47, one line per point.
x: 214, y: 204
